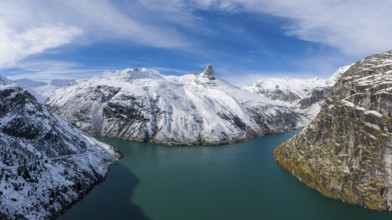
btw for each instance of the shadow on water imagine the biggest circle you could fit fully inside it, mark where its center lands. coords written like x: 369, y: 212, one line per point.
x: 100, y: 201
x: 229, y: 182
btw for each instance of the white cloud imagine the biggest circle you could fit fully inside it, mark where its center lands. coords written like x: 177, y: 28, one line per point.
x: 27, y: 27
x: 15, y: 46
x: 54, y: 69
x: 355, y: 27
x: 189, y: 5
x: 32, y: 26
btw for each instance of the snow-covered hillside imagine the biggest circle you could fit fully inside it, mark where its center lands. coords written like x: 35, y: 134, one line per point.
x: 304, y: 95
x: 45, y: 164
x: 286, y: 89
x: 141, y: 104
x: 42, y: 90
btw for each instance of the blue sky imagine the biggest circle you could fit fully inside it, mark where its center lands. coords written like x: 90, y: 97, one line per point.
x: 244, y: 39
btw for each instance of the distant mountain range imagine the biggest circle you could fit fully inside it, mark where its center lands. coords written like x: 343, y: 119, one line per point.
x: 303, y: 95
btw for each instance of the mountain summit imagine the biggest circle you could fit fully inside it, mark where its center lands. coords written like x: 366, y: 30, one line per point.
x: 142, y: 105
x: 209, y: 72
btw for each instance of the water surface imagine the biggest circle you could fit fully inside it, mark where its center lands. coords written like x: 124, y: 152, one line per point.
x: 229, y: 182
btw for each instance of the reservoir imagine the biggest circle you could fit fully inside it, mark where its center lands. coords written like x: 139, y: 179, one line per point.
x: 228, y: 182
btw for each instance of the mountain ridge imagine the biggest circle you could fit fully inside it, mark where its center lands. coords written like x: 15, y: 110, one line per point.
x: 305, y: 96
x: 189, y: 109
x: 45, y: 164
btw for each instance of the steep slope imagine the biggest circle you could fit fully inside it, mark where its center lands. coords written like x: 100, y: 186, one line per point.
x: 304, y: 95
x: 45, y: 165
x: 346, y: 152
x: 141, y: 104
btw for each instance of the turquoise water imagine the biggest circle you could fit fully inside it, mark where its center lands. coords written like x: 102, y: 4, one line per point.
x: 238, y: 181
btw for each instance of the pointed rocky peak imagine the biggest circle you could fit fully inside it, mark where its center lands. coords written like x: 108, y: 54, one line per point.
x: 209, y: 72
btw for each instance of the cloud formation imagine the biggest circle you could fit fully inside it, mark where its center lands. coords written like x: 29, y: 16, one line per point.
x: 51, y: 69
x: 355, y: 27
x: 350, y: 29
x: 32, y: 26
x: 17, y: 45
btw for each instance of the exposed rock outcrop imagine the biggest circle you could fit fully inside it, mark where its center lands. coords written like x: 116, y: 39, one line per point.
x: 346, y: 152
x: 316, y: 95
x: 142, y: 105
x: 209, y: 72
x: 45, y: 164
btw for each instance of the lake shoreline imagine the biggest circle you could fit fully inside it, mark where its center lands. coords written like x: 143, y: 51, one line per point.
x: 237, y: 181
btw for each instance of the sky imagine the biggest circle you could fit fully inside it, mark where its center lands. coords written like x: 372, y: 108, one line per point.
x: 244, y: 40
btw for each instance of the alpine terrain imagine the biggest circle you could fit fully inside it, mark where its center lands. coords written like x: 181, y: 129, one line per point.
x: 142, y: 105
x: 45, y: 164
x: 346, y: 152
x: 305, y: 96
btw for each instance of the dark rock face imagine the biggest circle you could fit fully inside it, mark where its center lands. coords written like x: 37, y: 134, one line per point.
x: 209, y: 72
x: 45, y: 165
x: 316, y: 95
x: 19, y: 128
x: 283, y: 96
x: 346, y: 152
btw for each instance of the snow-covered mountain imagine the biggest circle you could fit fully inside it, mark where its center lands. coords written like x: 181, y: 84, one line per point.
x: 4, y: 80
x: 24, y: 82
x: 304, y: 95
x: 42, y: 90
x: 143, y: 105
x: 45, y: 164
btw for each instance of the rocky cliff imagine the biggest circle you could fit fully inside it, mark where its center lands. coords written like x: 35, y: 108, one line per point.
x: 346, y: 152
x: 194, y: 109
x: 45, y: 164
